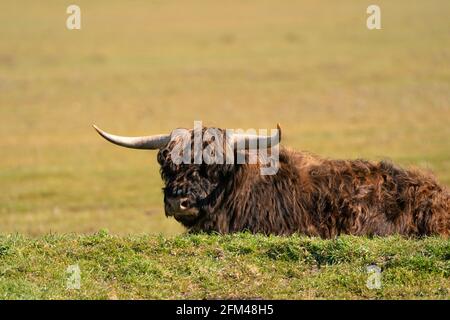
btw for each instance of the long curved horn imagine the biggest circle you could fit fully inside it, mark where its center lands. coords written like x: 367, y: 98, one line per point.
x: 249, y: 140
x: 146, y: 142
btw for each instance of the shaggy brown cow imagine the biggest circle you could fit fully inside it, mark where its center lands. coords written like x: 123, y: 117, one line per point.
x: 308, y: 195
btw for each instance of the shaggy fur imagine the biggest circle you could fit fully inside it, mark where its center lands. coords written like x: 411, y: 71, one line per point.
x: 309, y: 195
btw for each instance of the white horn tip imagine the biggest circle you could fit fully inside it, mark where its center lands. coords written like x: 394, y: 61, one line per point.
x: 101, y: 132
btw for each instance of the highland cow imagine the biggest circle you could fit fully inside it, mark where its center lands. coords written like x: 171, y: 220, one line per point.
x: 308, y: 195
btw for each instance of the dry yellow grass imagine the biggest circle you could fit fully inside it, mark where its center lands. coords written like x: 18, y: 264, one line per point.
x: 338, y: 90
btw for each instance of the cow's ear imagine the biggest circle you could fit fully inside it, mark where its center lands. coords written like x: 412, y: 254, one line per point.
x: 162, y: 156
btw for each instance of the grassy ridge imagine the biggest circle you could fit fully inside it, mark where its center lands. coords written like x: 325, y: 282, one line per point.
x: 234, y: 266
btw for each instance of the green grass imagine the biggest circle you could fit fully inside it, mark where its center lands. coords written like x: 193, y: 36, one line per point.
x: 236, y: 266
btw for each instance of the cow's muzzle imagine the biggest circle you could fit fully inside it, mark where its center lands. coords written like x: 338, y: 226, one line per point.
x: 180, y: 208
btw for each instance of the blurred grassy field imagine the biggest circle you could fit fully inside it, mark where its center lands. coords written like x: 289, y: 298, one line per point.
x: 145, y: 67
